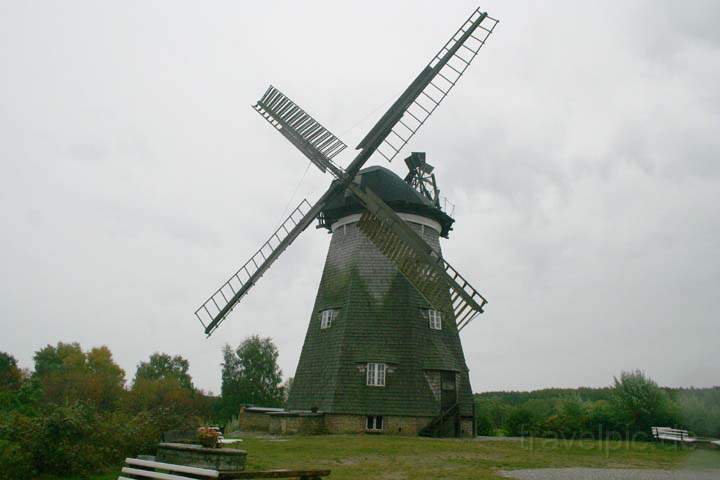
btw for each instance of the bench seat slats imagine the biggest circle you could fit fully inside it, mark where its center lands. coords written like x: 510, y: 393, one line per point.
x: 178, y: 472
x: 276, y: 474
x: 150, y: 474
x: 202, y: 472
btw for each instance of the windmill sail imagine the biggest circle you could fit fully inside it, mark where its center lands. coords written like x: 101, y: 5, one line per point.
x: 312, y: 139
x: 424, y: 268
x: 422, y: 97
x: 428, y: 272
x: 214, y: 310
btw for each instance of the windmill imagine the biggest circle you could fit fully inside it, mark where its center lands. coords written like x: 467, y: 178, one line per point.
x: 408, y: 255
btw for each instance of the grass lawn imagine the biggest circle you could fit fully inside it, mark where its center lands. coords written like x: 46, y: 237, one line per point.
x: 368, y: 456
x: 389, y: 457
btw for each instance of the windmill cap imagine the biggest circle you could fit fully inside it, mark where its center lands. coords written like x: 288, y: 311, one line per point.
x: 394, y: 191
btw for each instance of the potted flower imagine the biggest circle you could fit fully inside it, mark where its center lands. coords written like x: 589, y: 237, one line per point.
x: 208, y: 437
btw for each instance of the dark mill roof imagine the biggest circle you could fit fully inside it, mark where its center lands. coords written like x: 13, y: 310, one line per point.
x: 394, y: 191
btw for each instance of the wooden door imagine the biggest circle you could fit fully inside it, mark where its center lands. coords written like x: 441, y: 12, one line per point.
x: 448, y: 390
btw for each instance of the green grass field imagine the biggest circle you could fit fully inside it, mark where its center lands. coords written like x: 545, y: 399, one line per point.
x: 389, y: 457
x: 366, y: 456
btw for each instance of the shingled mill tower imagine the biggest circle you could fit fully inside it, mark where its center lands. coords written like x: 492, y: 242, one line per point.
x: 382, y: 350
x: 377, y: 355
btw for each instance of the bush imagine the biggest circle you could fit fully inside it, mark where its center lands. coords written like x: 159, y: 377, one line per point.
x: 15, y: 462
x: 602, y: 419
x: 640, y: 403
x: 699, y: 411
x: 78, y: 440
x: 522, y: 421
x: 570, y: 420
x: 74, y: 417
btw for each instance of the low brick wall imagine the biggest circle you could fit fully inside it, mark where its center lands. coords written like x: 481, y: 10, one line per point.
x: 224, y: 459
x: 307, y: 423
x: 256, y: 419
x: 466, y: 426
x: 288, y: 423
x: 396, y: 425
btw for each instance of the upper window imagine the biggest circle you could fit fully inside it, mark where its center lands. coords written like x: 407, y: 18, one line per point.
x: 327, y: 317
x: 435, y: 318
x: 376, y: 374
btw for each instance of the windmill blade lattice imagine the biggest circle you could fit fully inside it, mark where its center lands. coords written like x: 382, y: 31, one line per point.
x: 423, y: 267
x: 315, y: 141
x: 428, y: 272
x: 431, y: 87
x: 214, y: 310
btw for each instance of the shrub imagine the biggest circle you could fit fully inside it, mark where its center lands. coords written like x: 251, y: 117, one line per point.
x: 570, y: 420
x: 522, y: 421
x: 16, y: 463
x: 640, y: 404
x: 602, y: 419
x: 699, y: 411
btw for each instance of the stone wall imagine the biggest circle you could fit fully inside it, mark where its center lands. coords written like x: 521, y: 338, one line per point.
x: 296, y: 423
x: 466, y: 427
x: 306, y: 423
x: 224, y: 459
x: 396, y: 425
x: 254, y: 421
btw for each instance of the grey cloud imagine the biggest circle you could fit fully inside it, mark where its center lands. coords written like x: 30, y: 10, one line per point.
x: 581, y: 149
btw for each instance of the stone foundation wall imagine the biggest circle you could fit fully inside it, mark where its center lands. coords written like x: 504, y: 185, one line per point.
x: 466, y: 427
x: 396, y: 425
x: 254, y: 421
x: 289, y: 424
x: 224, y: 459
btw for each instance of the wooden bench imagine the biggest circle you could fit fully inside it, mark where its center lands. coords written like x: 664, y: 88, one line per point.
x: 137, y: 469
x: 672, y: 434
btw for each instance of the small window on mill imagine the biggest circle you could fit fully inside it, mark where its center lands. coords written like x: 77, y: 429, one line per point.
x: 435, y: 319
x: 374, y: 423
x: 327, y: 317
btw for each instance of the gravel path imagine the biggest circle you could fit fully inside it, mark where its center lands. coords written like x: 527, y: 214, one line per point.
x: 610, y: 474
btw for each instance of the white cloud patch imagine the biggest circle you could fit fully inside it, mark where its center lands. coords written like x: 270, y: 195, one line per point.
x: 581, y: 149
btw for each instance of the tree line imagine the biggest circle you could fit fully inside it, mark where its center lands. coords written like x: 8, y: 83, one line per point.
x: 627, y: 409
x: 75, y: 413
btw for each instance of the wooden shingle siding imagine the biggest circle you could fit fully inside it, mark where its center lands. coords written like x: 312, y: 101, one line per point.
x: 380, y: 320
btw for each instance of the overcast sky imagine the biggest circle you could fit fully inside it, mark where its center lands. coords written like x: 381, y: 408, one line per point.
x: 582, y: 149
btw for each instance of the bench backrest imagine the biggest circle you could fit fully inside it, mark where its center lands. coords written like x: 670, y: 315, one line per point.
x: 669, y: 433
x: 145, y: 469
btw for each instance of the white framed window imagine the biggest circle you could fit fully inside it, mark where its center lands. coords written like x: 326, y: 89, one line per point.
x: 374, y: 423
x: 435, y: 319
x: 327, y: 316
x: 376, y: 374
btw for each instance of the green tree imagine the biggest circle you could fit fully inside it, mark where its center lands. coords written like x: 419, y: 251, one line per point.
x: 162, y: 366
x: 250, y: 375
x: 521, y: 421
x: 286, y: 388
x: 67, y: 374
x: 10, y: 374
x: 62, y: 357
x: 640, y: 403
